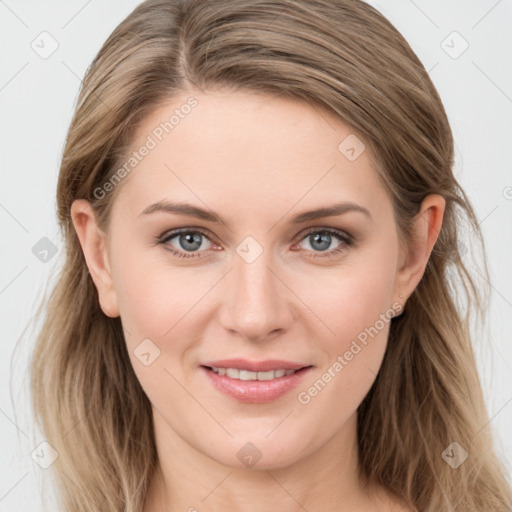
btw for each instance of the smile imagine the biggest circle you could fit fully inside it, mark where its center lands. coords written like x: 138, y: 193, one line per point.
x: 236, y: 373
x: 254, y: 382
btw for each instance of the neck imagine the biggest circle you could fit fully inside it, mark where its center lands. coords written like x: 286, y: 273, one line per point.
x: 328, y: 479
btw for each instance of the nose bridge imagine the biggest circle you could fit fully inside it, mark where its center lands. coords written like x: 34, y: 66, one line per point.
x: 257, y: 302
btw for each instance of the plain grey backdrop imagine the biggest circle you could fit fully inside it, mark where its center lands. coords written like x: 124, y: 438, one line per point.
x: 45, y: 49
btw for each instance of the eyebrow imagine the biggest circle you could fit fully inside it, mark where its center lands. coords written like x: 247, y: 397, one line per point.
x: 208, y: 215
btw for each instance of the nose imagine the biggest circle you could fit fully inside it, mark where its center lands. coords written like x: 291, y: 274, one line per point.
x: 257, y: 306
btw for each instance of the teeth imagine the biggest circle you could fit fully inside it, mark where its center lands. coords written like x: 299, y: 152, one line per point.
x: 235, y: 373
x: 247, y: 375
x: 266, y: 375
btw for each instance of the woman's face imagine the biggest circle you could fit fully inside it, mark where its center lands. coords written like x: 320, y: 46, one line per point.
x: 246, y: 281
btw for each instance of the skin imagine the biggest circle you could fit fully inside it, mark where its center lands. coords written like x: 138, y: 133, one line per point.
x: 257, y: 161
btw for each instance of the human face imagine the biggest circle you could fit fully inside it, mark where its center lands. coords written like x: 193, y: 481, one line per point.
x: 256, y: 286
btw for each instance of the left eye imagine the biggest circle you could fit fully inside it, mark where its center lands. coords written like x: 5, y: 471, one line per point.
x: 191, y: 242
x: 321, y: 240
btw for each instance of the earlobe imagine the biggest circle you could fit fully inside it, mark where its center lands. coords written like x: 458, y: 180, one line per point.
x: 425, y: 231
x: 94, y: 247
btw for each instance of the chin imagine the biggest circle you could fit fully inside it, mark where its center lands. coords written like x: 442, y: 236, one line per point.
x: 259, y: 455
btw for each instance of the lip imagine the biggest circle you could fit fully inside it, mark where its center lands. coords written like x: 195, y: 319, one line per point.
x: 254, y: 391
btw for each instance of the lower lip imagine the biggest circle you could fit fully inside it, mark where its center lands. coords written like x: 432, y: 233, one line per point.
x: 255, y: 391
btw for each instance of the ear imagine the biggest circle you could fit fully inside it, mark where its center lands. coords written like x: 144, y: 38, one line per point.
x: 414, y: 256
x: 94, y: 246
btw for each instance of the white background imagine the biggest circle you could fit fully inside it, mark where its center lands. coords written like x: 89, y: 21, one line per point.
x: 36, y: 102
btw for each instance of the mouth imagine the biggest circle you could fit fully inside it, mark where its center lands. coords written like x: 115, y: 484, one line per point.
x: 237, y: 374
x: 254, y: 382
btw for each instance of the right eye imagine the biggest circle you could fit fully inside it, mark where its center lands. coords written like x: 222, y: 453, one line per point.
x: 189, y: 243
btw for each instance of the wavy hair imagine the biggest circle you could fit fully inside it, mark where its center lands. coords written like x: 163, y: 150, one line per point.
x: 339, y: 55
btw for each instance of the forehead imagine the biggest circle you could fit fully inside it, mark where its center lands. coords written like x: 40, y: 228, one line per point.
x: 249, y: 151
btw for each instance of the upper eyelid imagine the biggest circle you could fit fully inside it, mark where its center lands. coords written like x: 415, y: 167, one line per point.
x: 171, y: 234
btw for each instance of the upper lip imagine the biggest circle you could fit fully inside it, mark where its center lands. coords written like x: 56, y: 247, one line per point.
x: 255, y: 366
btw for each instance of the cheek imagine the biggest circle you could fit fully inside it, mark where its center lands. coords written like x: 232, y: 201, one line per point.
x: 350, y: 299
x: 151, y: 297
x: 163, y: 303
x: 358, y: 311
x: 137, y: 282
x: 155, y: 308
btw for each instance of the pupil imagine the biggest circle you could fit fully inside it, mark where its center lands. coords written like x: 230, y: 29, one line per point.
x: 325, y: 240
x: 194, y: 239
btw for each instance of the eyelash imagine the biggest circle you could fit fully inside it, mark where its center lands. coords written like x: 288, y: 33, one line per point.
x: 345, y: 239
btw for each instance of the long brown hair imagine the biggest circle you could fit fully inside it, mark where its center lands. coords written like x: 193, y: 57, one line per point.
x: 338, y: 55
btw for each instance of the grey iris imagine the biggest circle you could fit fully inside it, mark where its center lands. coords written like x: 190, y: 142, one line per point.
x: 193, y: 239
x: 324, y: 238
